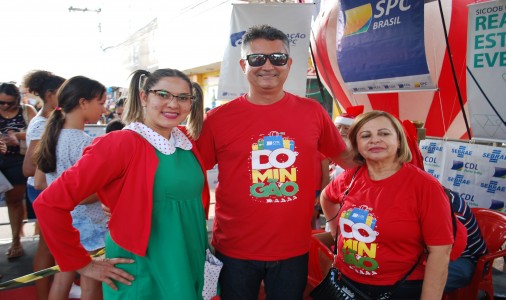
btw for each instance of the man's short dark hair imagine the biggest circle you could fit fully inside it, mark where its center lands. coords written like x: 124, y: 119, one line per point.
x: 264, y: 32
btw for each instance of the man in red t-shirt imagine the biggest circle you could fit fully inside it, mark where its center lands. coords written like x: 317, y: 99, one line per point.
x: 265, y: 143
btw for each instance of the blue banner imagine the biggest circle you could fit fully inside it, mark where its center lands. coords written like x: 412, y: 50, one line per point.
x: 378, y: 40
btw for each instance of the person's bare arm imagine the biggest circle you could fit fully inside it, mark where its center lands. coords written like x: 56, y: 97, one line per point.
x: 39, y: 179
x: 436, y: 272
x: 29, y: 165
x: 345, y: 158
x: 330, y: 210
x: 3, y: 147
x: 89, y: 200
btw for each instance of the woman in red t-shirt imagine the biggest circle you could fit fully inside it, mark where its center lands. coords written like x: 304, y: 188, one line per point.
x: 392, y: 216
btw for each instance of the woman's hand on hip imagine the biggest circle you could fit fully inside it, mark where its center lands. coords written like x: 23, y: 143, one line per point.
x: 103, y: 269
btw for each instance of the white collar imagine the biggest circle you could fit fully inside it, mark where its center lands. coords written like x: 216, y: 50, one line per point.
x: 167, y: 147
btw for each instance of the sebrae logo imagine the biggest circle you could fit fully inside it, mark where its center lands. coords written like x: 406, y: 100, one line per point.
x: 495, y: 156
x: 432, y: 148
x: 433, y: 173
x: 493, y: 186
x: 462, y: 151
x: 459, y: 180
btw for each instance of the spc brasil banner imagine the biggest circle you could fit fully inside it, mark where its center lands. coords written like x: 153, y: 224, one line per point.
x: 476, y: 172
x: 486, y: 70
x: 380, y: 46
x: 292, y: 19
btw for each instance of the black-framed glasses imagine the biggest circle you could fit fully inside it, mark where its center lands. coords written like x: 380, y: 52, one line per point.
x: 276, y: 59
x: 166, y: 95
x: 8, y: 103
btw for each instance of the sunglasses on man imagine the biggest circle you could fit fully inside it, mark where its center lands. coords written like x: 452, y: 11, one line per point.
x: 276, y: 59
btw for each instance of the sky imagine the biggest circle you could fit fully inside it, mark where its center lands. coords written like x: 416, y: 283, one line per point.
x: 44, y: 34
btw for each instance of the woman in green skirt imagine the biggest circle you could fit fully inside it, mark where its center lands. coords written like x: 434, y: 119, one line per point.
x: 151, y: 177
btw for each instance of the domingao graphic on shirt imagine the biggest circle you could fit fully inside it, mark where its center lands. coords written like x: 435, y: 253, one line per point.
x: 359, y: 249
x: 273, y: 174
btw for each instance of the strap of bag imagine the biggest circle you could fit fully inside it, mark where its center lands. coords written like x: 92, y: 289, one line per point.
x: 405, y: 277
x: 346, y: 192
x: 449, y: 195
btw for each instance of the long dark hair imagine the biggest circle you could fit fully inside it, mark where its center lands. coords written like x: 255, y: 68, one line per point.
x: 144, y: 80
x: 69, y: 95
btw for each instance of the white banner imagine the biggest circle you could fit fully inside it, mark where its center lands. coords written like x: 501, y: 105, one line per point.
x: 476, y: 172
x: 486, y: 70
x: 94, y: 130
x: 292, y: 19
x: 432, y: 152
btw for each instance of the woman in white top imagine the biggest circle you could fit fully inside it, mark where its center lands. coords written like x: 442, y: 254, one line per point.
x: 45, y: 85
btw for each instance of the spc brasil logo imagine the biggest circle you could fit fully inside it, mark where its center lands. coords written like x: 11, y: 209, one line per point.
x: 359, y: 250
x: 359, y: 19
x: 273, y: 175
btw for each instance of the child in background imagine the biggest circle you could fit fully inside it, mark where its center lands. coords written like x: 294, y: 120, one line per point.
x: 114, y: 125
x: 80, y: 100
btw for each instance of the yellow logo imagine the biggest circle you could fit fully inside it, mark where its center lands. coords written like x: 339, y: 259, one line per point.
x: 358, y: 19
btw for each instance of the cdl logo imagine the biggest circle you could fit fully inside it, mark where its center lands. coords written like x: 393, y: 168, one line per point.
x: 467, y: 197
x: 459, y: 165
x: 499, y: 172
x: 430, y: 159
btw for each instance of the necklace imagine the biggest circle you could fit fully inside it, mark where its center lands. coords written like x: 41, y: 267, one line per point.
x: 9, y: 114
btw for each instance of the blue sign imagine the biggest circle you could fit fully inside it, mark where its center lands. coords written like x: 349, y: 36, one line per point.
x: 381, y: 39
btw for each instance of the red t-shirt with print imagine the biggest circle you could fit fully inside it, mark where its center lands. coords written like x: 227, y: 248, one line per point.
x: 384, y: 225
x: 266, y: 179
